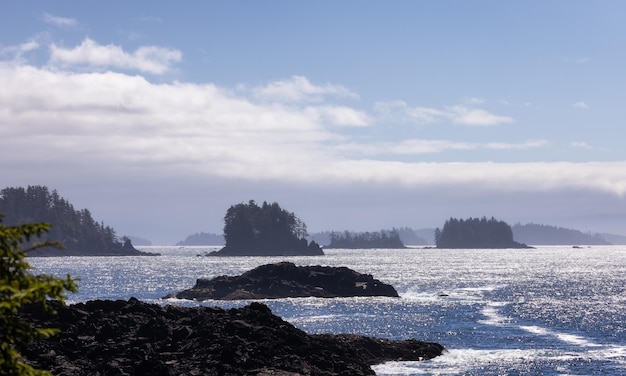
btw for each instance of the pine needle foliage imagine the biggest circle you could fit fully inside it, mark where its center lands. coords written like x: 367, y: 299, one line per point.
x: 20, y: 287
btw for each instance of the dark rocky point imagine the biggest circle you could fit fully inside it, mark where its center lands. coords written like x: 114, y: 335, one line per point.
x: 127, y: 249
x: 286, y: 280
x: 136, y: 338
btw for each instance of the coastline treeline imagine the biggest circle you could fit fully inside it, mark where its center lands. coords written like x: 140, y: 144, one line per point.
x: 476, y: 233
x: 533, y: 233
x: 375, y: 239
x: 75, y: 229
x: 202, y: 238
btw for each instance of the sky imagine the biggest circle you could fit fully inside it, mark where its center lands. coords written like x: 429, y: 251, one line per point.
x: 354, y: 115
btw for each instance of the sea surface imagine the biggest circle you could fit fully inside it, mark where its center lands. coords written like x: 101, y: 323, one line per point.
x: 543, y: 311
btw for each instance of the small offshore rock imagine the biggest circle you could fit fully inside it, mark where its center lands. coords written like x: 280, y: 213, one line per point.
x: 286, y: 280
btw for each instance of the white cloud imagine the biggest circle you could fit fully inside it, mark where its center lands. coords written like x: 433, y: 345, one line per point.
x: 425, y: 115
x: 114, y: 124
x: 475, y: 100
x: 112, y: 118
x: 338, y: 115
x: 300, y: 89
x: 421, y: 146
x: 489, y: 176
x: 580, y: 145
x: 392, y: 111
x: 59, y: 21
x: 400, y: 111
x: 472, y: 116
x: 581, y: 105
x: 150, y: 59
x: 18, y: 50
x: 429, y: 146
x: 532, y: 144
x: 405, y: 147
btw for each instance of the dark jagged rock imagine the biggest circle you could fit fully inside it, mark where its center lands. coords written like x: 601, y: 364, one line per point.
x: 286, y: 280
x: 136, y: 338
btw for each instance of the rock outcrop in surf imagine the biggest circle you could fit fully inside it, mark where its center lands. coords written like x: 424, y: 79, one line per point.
x: 286, y: 280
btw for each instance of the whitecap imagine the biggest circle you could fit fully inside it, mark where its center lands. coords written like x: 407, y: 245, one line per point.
x: 456, y: 361
x: 575, y: 340
x: 492, y: 313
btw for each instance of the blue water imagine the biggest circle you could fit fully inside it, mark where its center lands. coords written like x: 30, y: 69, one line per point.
x: 543, y: 311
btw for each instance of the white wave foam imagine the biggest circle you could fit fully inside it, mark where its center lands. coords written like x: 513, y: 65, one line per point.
x: 572, y: 339
x: 613, y: 353
x: 463, y: 294
x: 493, y: 317
x: 400, y: 368
x: 492, y: 313
x: 575, y: 340
x: 461, y: 361
x: 535, y: 329
x: 456, y: 361
x: 419, y: 296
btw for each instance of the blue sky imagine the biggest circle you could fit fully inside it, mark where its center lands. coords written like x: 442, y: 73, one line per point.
x: 354, y: 115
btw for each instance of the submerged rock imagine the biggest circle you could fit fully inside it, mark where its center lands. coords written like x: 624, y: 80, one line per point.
x: 136, y: 338
x: 286, y: 280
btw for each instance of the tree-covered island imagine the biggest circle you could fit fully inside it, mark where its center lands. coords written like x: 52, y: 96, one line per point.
x: 476, y: 233
x: 366, y: 240
x: 75, y: 230
x: 266, y: 230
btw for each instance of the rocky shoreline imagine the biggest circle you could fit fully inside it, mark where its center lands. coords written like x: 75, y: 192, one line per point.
x: 108, y: 338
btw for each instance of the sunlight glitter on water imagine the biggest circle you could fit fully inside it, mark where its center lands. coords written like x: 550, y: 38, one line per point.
x: 550, y: 311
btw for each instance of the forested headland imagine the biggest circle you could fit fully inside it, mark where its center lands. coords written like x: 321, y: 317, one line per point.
x: 476, y: 233
x: 266, y: 230
x: 532, y: 233
x: 76, y: 230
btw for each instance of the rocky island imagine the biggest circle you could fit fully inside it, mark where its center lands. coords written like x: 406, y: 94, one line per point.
x: 286, y: 280
x: 139, y: 339
x: 366, y: 240
x: 266, y: 230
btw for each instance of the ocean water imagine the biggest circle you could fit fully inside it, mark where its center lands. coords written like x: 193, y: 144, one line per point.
x: 543, y: 311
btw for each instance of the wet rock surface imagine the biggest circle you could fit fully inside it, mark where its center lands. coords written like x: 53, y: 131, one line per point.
x: 135, y: 338
x: 286, y: 280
